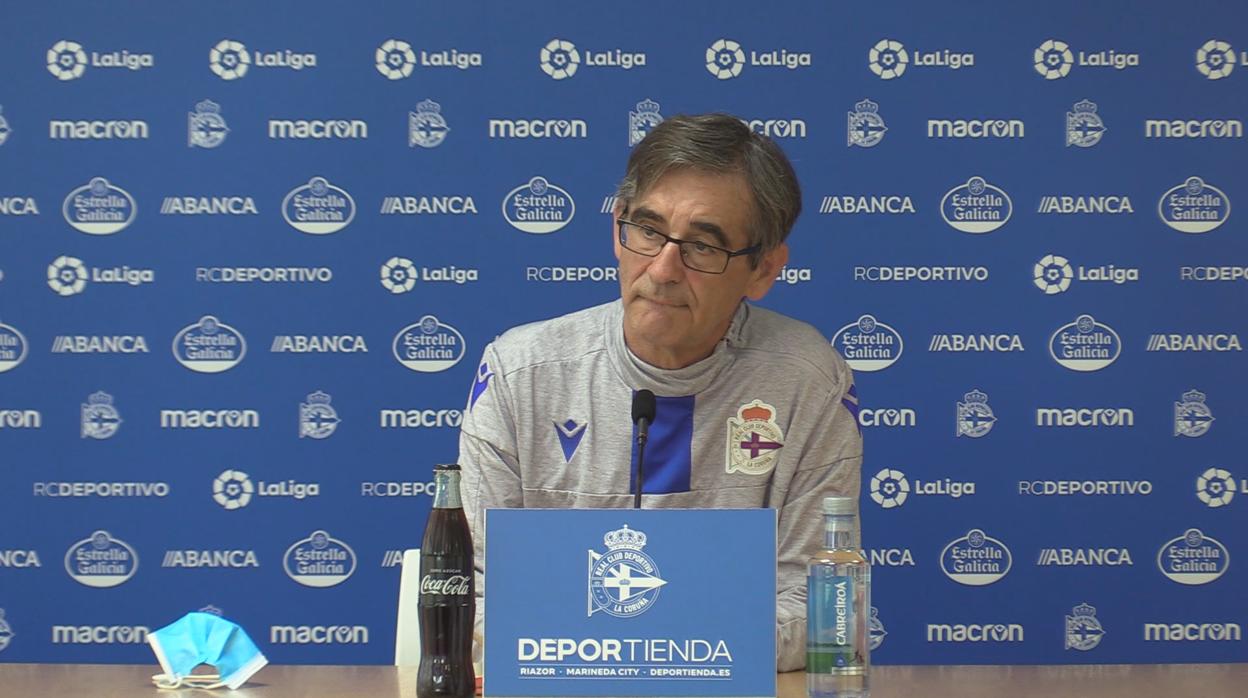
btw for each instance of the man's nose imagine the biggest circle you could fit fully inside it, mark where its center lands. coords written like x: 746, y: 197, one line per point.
x: 667, y: 267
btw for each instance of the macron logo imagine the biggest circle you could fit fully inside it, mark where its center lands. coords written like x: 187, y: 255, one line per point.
x: 570, y: 435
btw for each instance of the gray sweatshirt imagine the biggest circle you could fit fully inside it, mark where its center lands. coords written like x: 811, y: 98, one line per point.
x: 769, y: 419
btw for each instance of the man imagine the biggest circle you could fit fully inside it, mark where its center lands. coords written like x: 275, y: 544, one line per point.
x: 754, y: 409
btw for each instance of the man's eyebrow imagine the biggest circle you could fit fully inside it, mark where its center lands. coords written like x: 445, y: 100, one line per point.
x: 648, y: 215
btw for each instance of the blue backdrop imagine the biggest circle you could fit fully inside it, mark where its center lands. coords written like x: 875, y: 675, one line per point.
x: 250, y: 253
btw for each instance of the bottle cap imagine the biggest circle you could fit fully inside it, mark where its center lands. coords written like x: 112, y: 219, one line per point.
x: 446, y: 466
x: 843, y: 506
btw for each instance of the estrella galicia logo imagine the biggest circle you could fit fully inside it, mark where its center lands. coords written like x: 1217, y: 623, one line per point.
x: 875, y: 629
x: 209, y: 346
x: 1085, y: 345
x: 570, y: 434
x: 67, y: 60
x: 976, y: 559
x: 480, y: 383
x: 205, y: 128
x: 6, y: 632
x: 538, y: 207
x: 625, y: 581
x: 1194, y: 207
x: 975, y: 417
x: 640, y: 122
x: 976, y: 207
x: 888, y: 59
x: 318, y: 207
x: 559, y: 59
x: 1192, y: 417
x: 724, y: 59
x: 99, y: 208
x: 1215, y: 59
x: 101, y: 561
x: 1084, y: 126
x: 429, y: 346
x: 12, y: 347
x: 100, y: 419
x: 317, y: 418
x: 868, y: 345
x: 1193, y: 558
x: 1083, y: 630
x: 426, y: 127
x: 1215, y: 487
x: 1053, y: 59
x: 395, y: 59
x: 319, y: 561
x: 866, y: 126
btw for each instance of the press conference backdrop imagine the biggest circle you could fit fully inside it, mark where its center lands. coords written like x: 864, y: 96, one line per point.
x: 251, y: 253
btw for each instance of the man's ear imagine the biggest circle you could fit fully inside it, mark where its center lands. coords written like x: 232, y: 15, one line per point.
x: 763, y: 276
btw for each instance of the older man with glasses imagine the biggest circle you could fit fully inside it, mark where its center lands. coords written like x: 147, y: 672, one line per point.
x: 754, y: 409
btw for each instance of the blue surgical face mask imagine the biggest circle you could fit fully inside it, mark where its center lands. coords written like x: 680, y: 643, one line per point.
x: 202, y: 638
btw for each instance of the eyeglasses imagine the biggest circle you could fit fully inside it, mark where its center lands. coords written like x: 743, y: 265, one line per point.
x: 695, y: 254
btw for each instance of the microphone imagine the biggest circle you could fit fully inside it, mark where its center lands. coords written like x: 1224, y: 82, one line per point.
x: 643, y: 415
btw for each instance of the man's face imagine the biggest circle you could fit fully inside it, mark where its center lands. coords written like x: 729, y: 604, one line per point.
x: 673, y: 315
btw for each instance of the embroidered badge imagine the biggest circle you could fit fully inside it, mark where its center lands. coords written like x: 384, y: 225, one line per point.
x: 754, y: 439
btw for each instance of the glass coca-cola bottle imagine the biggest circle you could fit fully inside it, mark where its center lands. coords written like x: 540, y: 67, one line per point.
x: 447, y: 600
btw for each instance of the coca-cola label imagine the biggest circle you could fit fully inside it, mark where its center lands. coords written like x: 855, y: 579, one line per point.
x: 451, y: 585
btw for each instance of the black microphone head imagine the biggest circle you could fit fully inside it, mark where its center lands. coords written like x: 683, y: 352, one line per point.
x: 643, y: 406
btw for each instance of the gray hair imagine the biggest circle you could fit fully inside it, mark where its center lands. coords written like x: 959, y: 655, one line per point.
x: 721, y: 144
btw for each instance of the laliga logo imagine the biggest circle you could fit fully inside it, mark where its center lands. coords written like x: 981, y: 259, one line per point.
x: 976, y: 559
x: 229, y: 59
x: 1053, y: 59
x: 1091, y: 347
x: 1193, y: 558
x: 398, y: 275
x: 1194, y: 207
x: 318, y: 207
x: 725, y: 59
x: 1215, y: 487
x: 395, y: 59
x: 12, y: 347
x: 99, y: 208
x: 319, y: 561
x: 889, y: 488
x: 560, y: 59
x: 1052, y: 274
x: 1215, y: 59
x: 624, y: 582
x: 67, y: 276
x: 209, y: 346
x: 101, y: 561
x: 67, y: 60
x: 888, y: 59
x: 232, y: 489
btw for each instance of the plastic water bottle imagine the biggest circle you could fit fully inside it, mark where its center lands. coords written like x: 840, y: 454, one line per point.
x: 838, y: 587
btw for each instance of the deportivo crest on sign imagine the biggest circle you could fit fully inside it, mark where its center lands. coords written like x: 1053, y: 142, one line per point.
x: 1194, y: 207
x: 100, y: 420
x: 1084, y: 127
x: 317, y: 418
x: 1193, y: 558
x: 12, y: 347
x: 318, y: 207
x: 425, y: 126
x: 1192, y: 416
x: 538, y: 207
x: 101, y: 561
x: 4, y: 128
x: 1085, y: 345
x: 319, y: 561
x: 976, y: 559
x: 975, y: 417
x: 209, y: 346
x: 206, y: 128
x: 6, y: 631
x: 868, y: 345
x: 976, y: 207
x: 875, y: 629
x: 641, y: 121
x: 625, y: 581
x: 429, y: 346
x: 754, y: 439
x: 1083, y: 630
x: 866, y: 128
x: 99, y: 208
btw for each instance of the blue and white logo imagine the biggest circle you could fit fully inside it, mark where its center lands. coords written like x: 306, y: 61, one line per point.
x: 209, y: 346
x: 725, y: 58
x: 101, y: 561
x: 99, y: 208
x: 1215, y: 59
x: 538, y: 207
x: 1083, y: 630
x: 976, y: 559
x: 640, y: 122
x: 398, y: 275
x: 6, y: 632
x: 625, y: 581
x: 1215, y: 488
x: 4, y: 127
x: 205, y: 127
x: 1084, y: 127
x: 67, y: 60
x: 67, y: 276
x: 875, y: 630
x: 890, y: 488
x: 479, y: 384
x: 1194, y: 207
x: 395, y: 59
x: 426, y: 127
x: 317, y: 418
x: 1053, y: 274
x: 319, y: 561
x: 318, y: 207
x: 100, y: 419
x: 975, y: 417
x: 12, y: 347
x: 888, y: 59
x: 1192, y: 417
x: 1193, y: 558
x: 1085, y: 345
x: 570, y: 434
x: 229, y: 59
x: 866, y: 127
x: 976, y: 207
x: 429, y: 346
x: 232, y: 489
x: 1053, y: 59
x: 560, y: 59
x: 868, y: 345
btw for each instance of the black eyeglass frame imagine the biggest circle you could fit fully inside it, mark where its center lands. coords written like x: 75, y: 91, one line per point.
x: 681, y: 244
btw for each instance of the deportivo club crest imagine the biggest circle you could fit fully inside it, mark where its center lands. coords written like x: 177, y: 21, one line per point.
x: 1192, y: 416
x: 624, y: 582
x: 1083, y: 630
x: 866, y: 128
x: 205, y: 128
x: 641, y: 121
x: 317, y: 419
x: 425, y: 126
x: 100, y: 420
x: 875, y: 629
x: 1083, y: 127
x: 754, y: 439
x: 975, y: 417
